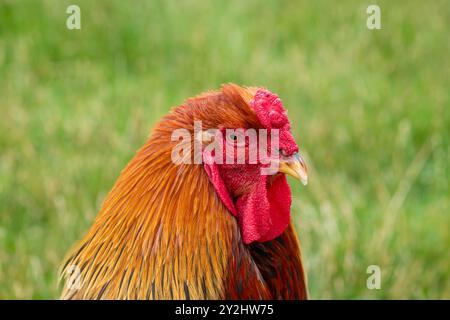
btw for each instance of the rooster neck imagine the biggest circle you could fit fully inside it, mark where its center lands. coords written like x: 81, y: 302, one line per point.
x: 161, y: 233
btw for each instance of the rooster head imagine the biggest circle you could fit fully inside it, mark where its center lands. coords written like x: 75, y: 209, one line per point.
x: 254, y: 189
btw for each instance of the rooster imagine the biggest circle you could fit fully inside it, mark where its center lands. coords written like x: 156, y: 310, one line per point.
x: 197, y: 230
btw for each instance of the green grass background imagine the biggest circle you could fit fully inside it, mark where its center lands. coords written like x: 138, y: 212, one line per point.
x: 370, y: 109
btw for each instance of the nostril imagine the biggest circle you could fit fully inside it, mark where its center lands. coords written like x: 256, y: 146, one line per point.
x: 283, y: 152
x: 277, y: 151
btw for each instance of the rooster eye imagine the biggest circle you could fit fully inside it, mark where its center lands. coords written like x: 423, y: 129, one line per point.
x: 236, y: 138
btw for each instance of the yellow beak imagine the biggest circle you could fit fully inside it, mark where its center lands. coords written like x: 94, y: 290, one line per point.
x: 295, y: 167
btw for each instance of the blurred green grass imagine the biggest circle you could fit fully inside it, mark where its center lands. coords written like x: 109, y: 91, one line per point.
x: 370, y: 109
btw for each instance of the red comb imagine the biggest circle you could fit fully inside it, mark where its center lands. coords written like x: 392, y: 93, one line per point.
x: 269, y: 109
x: 272, y: 115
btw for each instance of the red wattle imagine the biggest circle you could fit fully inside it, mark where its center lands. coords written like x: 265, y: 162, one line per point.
x: 264, y: 213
